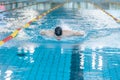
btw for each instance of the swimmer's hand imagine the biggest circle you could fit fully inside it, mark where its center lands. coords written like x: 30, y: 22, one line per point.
x: 48, y: 33
x: 42, y: 32
x: 81, y: 33
x: 58, y: 38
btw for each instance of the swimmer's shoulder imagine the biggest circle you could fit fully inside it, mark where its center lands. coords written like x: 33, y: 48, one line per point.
x: 47, y: 32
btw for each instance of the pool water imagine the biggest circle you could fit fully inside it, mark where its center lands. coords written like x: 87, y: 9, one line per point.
x: 95, y: 56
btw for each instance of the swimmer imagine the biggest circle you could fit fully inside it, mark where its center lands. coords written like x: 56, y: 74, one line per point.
x: 58, y: 33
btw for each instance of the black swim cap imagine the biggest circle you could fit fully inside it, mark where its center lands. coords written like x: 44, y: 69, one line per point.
x: 58, y: 31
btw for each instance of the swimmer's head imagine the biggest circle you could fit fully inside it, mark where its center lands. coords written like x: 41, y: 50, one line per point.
x: 58, y: 31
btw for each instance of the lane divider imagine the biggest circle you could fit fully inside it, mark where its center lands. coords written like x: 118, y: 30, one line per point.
x: 16, y: 32
x: 43, y: 14
x: 117, y: 20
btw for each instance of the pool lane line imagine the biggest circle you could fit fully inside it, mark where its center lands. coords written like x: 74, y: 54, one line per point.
x: 76, y: 72
x: 16, y: 32
x: 117, y: 20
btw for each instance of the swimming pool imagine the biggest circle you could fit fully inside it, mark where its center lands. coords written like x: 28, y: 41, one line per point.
x: 95, y: 56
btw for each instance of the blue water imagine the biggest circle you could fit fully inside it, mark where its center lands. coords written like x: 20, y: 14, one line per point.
x: 95, y: 56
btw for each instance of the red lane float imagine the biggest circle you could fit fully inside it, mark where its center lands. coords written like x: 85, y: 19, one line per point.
x: 11, y: 36
x: 30, y: 22
x: 7, y: 39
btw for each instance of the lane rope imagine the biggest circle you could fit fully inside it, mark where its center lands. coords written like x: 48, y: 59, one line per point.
x: 114, y: 18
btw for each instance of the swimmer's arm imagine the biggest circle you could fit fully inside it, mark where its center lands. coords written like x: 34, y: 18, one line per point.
x: 48, y: 33
x: 69, y: 33
x: 78, y: 33
x: 42, y: 32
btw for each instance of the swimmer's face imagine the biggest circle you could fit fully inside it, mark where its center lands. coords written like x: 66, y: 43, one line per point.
x: 58, y: 37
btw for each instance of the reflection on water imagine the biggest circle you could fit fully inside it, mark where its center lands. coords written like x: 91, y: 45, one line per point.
x: 27, y: 48
x: 27, y: 51
x: 76, y: 64
x: 97, y: 61
x: 84, y: 63
x: 100, y: 63
x: 93, y: 61
x: 8, y: 75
